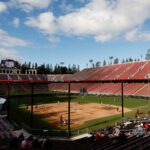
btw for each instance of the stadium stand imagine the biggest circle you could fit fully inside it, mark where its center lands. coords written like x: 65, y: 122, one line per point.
x: 131, y: 137
x: 22, y: 87
x: 132, y: 70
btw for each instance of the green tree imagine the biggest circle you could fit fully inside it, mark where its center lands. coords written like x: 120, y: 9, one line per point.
x: 91, y: 61
x: 104, y: 62
x: 116, y: 61
x: 147, y: 57
x: 98, y: 63
x: 111, y: 58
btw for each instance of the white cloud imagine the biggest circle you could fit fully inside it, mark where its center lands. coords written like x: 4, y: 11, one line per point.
x: 80, y: 1
x: 16, y: 22
x: 136, y: 35
x: 29, y: 5
x: 66, y: 7
x: 104, y: 37
x: 45, y: 22
x: 9, y: 41
x: 53, y: 39
x: 102, y: 19
x: 9, y: 54
x: 3, y: 7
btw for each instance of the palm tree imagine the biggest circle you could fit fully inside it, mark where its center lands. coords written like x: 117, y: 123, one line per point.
x: 62, y: 63
x: 111, y: 58
x: 91, y: 61
x: 98, y: 63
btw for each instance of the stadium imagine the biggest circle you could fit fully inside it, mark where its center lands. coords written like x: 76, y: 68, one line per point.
x: 71, y: 109
x: 74, y: 75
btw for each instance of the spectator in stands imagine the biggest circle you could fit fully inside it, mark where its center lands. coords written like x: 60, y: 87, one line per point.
x: 20, y: 138
x: 47, y: 144
x: 146, y: 126
x: 139, y: 131
x: 116, y: 131
x: 98, y: 136
x: 122, y: 137
x: 26, y: 143
x: 13, y: 144
x: 93, y: 136
x: 36, y: 144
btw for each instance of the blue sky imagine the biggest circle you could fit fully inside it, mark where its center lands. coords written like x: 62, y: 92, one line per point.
x: 73, y: 31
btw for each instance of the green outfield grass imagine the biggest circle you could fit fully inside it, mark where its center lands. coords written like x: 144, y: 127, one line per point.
x: 20, y: 115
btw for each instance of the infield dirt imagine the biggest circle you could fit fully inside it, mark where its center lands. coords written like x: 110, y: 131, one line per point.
x: 79, y: 113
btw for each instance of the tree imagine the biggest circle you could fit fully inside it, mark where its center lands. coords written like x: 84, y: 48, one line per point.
x: 62, y: 63
x: 69, y: 69
x: 51, y: 68
x: 36, y: 66
x: 127, y: 60
x: 104, y: 62
x: 41, y: 69
x: 116, y: 61
x: 29, y: 65
x: 78, y: 69
x: 130, y: 59
x: 123, y: 61
x: 24, y: 67
x: 148, y: 55
x: 91, y: 61
x: 47, y: 69
x: 74, y: 68
x: 98, y: 63
x: 111, y: 58
x: 33, y: 66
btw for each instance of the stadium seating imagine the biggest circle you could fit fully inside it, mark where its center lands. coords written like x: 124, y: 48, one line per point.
x: 132, y: 70
x: 22, y: 87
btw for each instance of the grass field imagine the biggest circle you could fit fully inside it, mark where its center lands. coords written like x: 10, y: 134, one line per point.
x: 20, y: 115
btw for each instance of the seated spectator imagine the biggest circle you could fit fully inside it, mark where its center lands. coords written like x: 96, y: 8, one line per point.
x: 122, y: 137
x: 20, y: 138
x: 36, y: 144
x: 98, y: 136
x: 138, y: 131
x: 26, y: 143
x: 116, y: 132
x: 47, y: 144
x: 14, y: 143
x: 93, y: 136
x: 146, y: 126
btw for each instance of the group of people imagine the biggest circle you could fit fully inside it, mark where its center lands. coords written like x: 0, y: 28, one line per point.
x: 29, y: 143
x: 120, y: 132
x: 116, y: 135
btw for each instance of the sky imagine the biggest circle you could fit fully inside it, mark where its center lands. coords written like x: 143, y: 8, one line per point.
x: 73, y: 31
